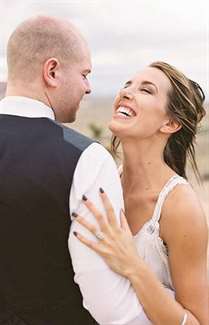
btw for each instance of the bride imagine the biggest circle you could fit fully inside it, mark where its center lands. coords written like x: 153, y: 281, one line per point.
x: 162, y: 241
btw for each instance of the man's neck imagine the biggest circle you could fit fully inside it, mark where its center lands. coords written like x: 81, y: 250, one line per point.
x: 24, y: 91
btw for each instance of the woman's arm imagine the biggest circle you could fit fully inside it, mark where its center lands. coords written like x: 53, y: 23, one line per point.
x: 185, y: 232
x: 184, y: 229
x: 118, y: 250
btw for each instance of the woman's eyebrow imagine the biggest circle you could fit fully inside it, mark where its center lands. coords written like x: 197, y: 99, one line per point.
x: 149, y: 83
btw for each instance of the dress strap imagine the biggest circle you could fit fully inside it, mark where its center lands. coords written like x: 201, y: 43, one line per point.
x: 169, y: 186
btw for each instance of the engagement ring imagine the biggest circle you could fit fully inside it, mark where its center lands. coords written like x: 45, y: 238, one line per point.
x: 99, y: 235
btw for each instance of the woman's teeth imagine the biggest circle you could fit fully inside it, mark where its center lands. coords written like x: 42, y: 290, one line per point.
x: 125, y: 111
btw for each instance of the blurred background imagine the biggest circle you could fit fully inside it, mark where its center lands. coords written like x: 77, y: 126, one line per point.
x: 125, y: 36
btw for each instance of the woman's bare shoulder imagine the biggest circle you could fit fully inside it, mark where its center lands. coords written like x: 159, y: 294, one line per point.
x: 182, y: 213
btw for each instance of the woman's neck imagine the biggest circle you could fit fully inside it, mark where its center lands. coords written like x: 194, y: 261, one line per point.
x: 143, y: 166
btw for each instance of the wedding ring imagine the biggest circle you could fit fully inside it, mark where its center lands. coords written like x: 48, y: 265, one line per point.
x: 99, y: 235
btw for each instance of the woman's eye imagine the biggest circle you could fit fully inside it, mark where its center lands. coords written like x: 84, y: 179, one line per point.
x: 84, y: 76
x: 146, y: 90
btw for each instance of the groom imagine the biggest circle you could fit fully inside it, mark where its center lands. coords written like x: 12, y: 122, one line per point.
x: 45, y: 168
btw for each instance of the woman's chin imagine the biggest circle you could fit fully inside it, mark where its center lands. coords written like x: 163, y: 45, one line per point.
x: 113, y: 127
x: 116, y: 128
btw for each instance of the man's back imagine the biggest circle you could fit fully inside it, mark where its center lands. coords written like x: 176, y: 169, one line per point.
x: 37, y: 163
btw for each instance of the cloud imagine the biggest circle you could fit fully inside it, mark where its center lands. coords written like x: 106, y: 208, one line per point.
x: 126, y: 35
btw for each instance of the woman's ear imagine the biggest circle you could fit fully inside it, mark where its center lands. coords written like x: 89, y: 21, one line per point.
x: 51, y: 72
x: 170, y: 126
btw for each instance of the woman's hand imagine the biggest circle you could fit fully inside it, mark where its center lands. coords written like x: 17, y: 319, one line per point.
x: 115, y: 242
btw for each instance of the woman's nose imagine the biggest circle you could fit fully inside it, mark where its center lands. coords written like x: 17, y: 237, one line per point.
x: 126, y: 93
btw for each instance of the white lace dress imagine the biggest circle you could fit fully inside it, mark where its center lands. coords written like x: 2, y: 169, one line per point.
x: 149, y: 244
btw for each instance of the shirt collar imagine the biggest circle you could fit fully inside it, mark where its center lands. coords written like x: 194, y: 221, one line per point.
x: 25, y: 106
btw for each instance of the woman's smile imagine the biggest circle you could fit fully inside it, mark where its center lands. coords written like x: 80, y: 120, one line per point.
x: 124, y: 112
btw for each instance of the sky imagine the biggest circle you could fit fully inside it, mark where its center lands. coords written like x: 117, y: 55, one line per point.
x: 125, y: 36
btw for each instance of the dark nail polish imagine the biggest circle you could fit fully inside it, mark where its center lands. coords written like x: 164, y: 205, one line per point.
x: 75, y: 233
x: 74, y: 214
x: 84, y: 198
x: 101, y: 190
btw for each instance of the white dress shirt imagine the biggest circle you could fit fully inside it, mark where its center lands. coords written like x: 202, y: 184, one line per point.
x: 108, y: 296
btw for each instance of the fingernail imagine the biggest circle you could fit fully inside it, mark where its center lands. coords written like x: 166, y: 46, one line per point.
x: 74, y: 214
x: 75, y: 233
x: 101, y: 190
x: 84, y: 198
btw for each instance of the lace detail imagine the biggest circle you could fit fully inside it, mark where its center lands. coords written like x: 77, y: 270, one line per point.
x: 148, y: 241
x: 153, y: 223
x: 169, y: 186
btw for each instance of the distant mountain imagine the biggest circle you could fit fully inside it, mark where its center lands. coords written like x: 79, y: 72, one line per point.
x: 2, y: 88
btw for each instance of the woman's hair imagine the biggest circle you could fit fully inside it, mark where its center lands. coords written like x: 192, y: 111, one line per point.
x: 185, y: 105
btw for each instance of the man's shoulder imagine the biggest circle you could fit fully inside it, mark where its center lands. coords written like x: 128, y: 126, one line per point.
x: 96, y: 168
x: 91, y: 151
x: 96, y: 158
x: 75, y: 138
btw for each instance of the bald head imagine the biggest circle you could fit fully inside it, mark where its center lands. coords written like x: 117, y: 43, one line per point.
x: 38, y: 39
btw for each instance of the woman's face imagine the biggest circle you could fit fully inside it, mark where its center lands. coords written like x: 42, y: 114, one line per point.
x: 139, y: 109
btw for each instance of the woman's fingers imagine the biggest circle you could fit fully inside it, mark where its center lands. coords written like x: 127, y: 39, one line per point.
x: 92, y: 228
x: 108, y: 208
x: 87, y: 242
x: 109, y: 224
x: 124, y: 222
x: 99, y: 217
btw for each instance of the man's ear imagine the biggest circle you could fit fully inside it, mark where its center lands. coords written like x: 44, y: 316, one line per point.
x: 51, y: 72
x: 170, y: 126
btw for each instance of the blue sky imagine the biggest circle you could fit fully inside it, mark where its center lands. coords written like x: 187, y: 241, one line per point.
x: 125, y: 36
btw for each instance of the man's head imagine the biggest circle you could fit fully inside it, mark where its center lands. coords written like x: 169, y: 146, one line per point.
x: 49, y: 60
